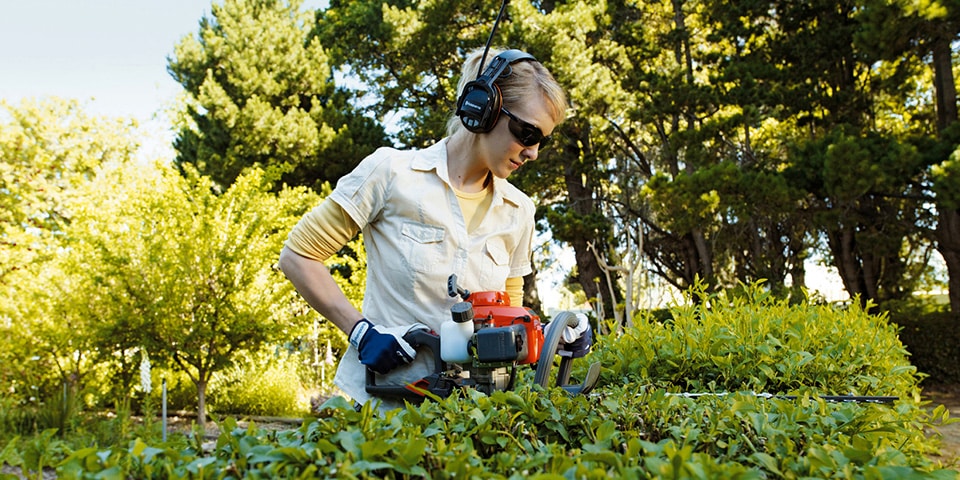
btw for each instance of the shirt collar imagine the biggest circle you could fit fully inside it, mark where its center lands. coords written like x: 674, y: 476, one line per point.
x: 434, y: 158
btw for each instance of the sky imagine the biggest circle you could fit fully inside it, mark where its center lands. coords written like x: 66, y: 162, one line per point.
x: 111, y: 55
x: 110, y: 52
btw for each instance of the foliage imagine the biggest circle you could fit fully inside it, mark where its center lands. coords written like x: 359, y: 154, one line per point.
x: 48, y: 150
x: 946, y: 181
x: 373, y: 40
x: 260, y: 93
x: 753, y: 341
x: 696, y: 101
x: 181, y: 391
x: 265, y: 384
x: 35, y: 453
x: 680, y: 116
x: 195, y: 284
x: 867, y: 208
x: 625, y: 432
x: 115, y: 244
x: 933, y: 342
x: 635, y: 425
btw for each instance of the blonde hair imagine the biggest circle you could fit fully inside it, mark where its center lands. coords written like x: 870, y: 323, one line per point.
x: 527, y: 80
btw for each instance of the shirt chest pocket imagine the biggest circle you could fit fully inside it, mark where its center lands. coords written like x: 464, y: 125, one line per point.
x: 496, y: 262
x: 423, y: 246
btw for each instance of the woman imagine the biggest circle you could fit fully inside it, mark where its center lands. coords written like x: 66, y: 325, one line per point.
x: 426, y: 214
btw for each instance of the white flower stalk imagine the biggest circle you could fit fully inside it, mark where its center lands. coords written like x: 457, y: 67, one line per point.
x: 328, y: 358
x: 145, y: 373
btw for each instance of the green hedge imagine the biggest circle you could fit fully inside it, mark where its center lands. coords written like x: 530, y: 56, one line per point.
x: 756, y: 342
x: 635, y: 425
x: 625, y: 432
x: 933, y: 340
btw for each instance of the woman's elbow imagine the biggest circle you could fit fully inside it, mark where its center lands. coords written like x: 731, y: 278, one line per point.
x: 288, y: 260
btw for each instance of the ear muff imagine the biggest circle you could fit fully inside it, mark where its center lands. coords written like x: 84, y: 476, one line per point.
x: 479, y: 104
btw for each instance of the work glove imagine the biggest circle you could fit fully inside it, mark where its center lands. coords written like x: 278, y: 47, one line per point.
x: 383, y: 349
x: 581, y: 346
x: 575, y: 341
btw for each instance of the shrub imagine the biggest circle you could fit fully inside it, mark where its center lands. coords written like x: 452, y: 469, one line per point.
x: 262, y: 386
x: 933, y: 340
x: 623, y: 432
x: 757, y: 342
x: 16, y: 418
x: 181, y: 391
x: 634, y: 425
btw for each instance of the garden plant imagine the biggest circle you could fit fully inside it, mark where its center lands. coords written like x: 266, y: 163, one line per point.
x: 640, y: 422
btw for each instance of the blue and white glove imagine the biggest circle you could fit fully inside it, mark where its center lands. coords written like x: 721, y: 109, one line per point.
x: 576, y: 340
x: 383, y: 349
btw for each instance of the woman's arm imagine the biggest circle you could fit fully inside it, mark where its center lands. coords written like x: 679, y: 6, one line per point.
x: 315, y: 284
x: 317, y: 236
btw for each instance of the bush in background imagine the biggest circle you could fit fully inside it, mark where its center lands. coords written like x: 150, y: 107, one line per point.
x: 181, y: 391
x: 933, y: 340
x: 266, y: 385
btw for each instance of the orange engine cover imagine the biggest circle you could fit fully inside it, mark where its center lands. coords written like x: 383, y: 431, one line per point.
x: 492, y: 309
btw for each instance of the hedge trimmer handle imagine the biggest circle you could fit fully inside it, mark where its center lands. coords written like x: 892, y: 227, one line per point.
x: 416, y: 391
x: 550, y: 345
x: 425, y: 338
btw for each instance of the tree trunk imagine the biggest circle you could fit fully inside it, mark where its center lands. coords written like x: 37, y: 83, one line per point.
x: 202, y: 403
x: 704, y: 256
x: 842, y: 246
x: 589, y: 273
x: 948, y: 225
x: 531, y: 295
x: 943, y: 83
x: 948, y: 243
x: 798, y: 277
x: 584, y: 205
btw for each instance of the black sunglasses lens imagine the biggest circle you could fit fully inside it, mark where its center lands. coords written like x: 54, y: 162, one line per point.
x: 527, y: 134
x: 531, y: 135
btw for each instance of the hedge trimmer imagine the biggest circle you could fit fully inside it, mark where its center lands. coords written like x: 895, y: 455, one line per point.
x: 482, y: 346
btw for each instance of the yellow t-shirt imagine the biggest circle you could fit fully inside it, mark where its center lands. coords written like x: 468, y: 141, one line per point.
x: 474, y: 206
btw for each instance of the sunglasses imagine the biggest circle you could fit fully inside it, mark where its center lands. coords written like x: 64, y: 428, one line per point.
x: 526, y: 133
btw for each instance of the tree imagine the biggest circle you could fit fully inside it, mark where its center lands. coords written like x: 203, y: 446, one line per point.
x: 860, y: 183
x: 683, y: 114
x: 49, y: 149
x: 408, y: 54
x: 660, y: 142
x: 638, y: 105
x: 946, y: 186
x: 260, y: 93
x: 865, y: 209
x: 905, y: 34
x: 797, y: 65
x: 374, y: 40
x: 588, y: 184
x: 577, y: 182
x: 188, y: 269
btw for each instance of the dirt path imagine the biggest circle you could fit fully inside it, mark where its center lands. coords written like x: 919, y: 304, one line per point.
x: 948, y: 396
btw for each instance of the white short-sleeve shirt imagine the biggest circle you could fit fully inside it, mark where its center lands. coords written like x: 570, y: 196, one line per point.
x: 415, y: 237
